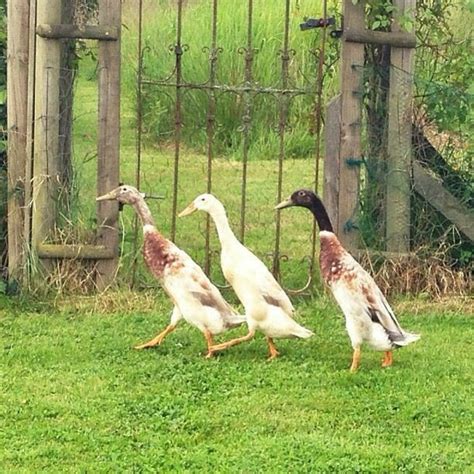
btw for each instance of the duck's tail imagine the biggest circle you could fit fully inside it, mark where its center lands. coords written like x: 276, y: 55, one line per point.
x: 302, y: 332
x: 235, y: 320
x: 406, y: 339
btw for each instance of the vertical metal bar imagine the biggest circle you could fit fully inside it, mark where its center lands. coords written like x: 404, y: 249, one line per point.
x: 211, y: 119
x: 247, y: 117
x: 138, y: 137
x: 178, y: 50
x: 284, y: 104
x: 317, y: 119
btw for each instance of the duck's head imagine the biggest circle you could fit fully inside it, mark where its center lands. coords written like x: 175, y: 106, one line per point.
x: 204, y: 202
x: 307, y: 198
x: 124, y: 194
x: 301, y: 197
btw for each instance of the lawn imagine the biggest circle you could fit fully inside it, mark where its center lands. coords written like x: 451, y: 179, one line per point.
x: 75, y: 396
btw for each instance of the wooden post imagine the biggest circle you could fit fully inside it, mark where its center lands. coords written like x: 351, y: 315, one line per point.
x: 109, y: 139
x: 30, y: 132
x: 46, y: 126
x: 399, y: 149
x: 17, y: 93
x: 352, y: 57
x: 332, y: 141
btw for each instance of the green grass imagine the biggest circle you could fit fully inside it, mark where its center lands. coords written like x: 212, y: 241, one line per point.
x: 75, y: 396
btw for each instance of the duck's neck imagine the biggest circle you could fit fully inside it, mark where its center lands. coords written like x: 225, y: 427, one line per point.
x: 320, y: 214
x: 144, y: 213
x: 226, y: 236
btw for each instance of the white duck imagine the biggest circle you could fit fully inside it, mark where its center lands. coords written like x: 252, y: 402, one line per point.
x: 195, y: 298
x: 267, y: 307
x: 369, y: 317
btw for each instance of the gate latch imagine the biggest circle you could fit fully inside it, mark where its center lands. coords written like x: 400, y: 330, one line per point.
x: 310, y: 23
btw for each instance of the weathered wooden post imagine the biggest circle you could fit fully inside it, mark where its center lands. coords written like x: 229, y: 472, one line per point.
x: 343, y: 128
x: 46, y: 126
x: 109, y: 138
x: 352, y: 57
x: 399, y: 148
x: 47, y: 182
x: 17, y: 93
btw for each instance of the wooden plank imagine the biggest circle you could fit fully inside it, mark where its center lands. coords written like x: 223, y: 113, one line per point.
x: 352, y: 56
x: 109, y: 139
x: 431, y: 189
x: 46, y: 126
x: 332, y: 140
x: 400, y: 39
x: 17, y: 93
x: 93, y: 32
x: 399, y: 146
x: 91, y: 252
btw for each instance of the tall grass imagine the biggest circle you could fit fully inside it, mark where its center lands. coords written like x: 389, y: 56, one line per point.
x: 159, y: 33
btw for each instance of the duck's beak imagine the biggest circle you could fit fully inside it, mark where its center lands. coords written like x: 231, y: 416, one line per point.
x: 189, y: 210
x: 286, y: 203
x: 108, y: 197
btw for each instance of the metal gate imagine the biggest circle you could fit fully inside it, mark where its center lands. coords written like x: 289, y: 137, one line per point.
x: 282, y: 91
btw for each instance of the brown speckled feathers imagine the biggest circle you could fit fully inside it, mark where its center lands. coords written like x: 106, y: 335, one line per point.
x: 158, y: 254
x: 331, y: 260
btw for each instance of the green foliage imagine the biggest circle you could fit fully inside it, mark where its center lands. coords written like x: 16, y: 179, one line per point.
x: 159, y: 103
x: 76, y: 397
x: 445, y: 65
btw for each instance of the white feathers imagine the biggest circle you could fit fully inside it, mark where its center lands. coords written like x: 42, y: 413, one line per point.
x: 267, y: 306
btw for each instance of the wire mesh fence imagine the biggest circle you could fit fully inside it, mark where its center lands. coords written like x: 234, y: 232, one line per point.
x: 438, y: 194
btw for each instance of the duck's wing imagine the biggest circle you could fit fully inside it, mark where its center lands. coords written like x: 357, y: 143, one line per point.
x: 186, y: 280
x: 273, y: 293
x: 375, y: 304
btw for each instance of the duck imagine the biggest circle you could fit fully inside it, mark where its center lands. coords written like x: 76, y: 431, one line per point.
x: 267, y: 307
x: 195, y: 298
x: 369, y: 318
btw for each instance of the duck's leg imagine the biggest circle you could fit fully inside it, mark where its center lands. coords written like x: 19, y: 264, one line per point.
x: 157, y: 340
x: 273, y: 350
x: 387, y: 361
x: 355, y: 359
x: 210, y: 342
x: 232, y: 342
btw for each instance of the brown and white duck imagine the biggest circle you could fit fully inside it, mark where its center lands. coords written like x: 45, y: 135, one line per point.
x: 368, y: 315
x: 195, y: 298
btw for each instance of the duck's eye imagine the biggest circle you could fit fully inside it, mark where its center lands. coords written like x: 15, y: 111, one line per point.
x: 301, y: 193
x: 203, y: 199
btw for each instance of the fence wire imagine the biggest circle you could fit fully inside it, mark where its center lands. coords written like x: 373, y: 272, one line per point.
x: 440, y: 246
